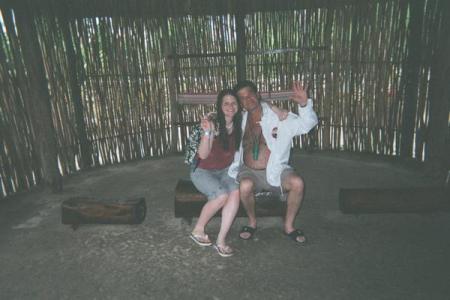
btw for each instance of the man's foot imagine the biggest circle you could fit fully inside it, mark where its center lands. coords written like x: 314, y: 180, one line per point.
x: 224, y: 250
x: 297, y: 236
x: 247, y: 232
x: 201, y: 239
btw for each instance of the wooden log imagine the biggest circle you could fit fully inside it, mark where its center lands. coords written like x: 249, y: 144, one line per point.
x: 86, y: 210
x: 400, y: 200
x: 189, y: 203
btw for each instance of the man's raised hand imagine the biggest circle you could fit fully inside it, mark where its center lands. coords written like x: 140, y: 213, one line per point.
x: 300, y: 95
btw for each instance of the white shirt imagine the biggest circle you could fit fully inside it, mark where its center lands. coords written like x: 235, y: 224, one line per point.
x: 279, y: 147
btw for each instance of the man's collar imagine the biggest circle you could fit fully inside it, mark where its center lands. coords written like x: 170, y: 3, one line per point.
x: 256, y: 109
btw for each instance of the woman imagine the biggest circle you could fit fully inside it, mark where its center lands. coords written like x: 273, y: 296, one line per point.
x: 219, y: 141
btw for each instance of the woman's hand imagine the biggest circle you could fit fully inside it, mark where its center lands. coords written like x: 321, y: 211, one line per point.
x: 207, y: 122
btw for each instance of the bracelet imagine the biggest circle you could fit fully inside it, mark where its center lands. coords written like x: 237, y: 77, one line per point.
x: 207, y: 133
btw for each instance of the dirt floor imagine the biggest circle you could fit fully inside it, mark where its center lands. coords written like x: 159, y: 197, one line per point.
x: 366, y: 256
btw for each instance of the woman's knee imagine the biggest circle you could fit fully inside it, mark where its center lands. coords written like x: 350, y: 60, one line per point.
x: 234, y: 196
x: 221, y: 199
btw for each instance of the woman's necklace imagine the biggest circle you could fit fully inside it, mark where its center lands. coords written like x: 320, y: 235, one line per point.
x: 229, y: 127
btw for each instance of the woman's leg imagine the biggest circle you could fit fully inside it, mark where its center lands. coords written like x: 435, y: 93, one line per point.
x: 208, y: 183
x: 208, y: 211
x: 229, y: 211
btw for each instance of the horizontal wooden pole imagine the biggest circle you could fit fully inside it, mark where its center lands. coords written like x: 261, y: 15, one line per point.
x: 201, y: 55
x: 168, y: 8
x: 400, y: 200
x: 211, y: 98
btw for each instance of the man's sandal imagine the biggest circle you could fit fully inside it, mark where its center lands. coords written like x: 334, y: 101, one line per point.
x: 201, y: 240
x: 247, y: 229
x: 295, y: 234
x: 224, y: 251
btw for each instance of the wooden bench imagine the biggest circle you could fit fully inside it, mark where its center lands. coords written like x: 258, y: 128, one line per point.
x: 394, y: 200
x: 189, y: 203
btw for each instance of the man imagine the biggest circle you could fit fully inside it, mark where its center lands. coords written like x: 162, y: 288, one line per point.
x: 263, y: 163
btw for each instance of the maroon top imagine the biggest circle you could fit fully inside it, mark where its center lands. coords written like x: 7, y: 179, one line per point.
x: 219, y: 158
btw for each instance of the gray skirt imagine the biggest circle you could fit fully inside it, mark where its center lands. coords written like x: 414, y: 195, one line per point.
x: 213, y: 183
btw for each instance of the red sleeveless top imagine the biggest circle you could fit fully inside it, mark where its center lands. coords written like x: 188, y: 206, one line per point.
x: 219, y: 158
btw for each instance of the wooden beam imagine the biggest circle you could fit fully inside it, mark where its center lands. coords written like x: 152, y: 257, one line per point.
x: 172, y: 8
x: 39, y: 102
x: 172, y: 74
x: 211, y: 98
x: 401, y: 200
x: 240, y: 47
x: 438, y: 130
x: 410, y: 80
x: 75, y: 94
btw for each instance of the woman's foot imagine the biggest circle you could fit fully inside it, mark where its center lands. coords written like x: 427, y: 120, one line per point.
x: 200, y: 239
x: 224, y: 250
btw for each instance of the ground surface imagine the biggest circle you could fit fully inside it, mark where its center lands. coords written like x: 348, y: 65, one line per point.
x: 378, y: 256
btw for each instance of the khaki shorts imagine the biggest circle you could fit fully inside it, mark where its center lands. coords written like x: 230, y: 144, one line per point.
x: 260, y: 180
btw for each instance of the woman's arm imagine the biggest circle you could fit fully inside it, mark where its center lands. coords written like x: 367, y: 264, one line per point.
x: 207, y: 138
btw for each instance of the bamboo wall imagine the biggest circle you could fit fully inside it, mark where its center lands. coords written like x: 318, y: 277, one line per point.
x: 121, y: 72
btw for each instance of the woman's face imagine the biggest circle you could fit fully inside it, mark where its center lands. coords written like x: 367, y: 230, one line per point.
x: 229, y: 106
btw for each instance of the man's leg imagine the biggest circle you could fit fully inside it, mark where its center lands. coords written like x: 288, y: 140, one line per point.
x: 294, y: 184
x: 246, y: 187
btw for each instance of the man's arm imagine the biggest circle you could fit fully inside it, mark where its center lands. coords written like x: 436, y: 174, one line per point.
x: 282, y: 114
x: 307, y: 117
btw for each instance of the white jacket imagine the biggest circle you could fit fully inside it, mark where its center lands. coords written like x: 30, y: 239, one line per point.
x: 279, y: 147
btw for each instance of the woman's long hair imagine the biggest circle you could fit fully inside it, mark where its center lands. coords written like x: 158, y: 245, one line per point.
x: 237, y: 120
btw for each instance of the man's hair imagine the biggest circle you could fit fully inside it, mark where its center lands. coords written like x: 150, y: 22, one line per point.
x: 245, y: 84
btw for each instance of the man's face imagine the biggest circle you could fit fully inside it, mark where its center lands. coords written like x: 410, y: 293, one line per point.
x: 248, y: 98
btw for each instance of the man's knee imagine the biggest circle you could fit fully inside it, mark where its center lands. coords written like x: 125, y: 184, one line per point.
x: 295, y: 183
x: 246, y: 186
